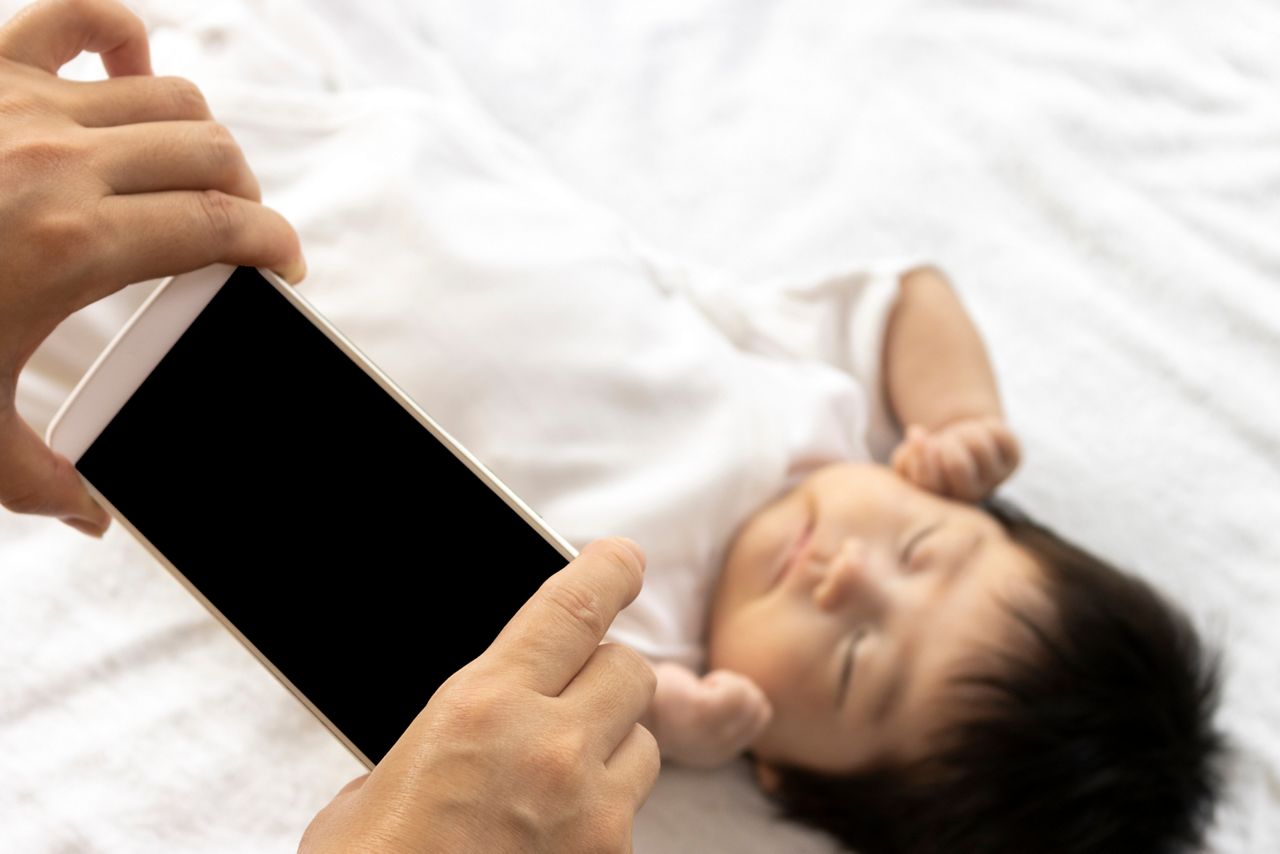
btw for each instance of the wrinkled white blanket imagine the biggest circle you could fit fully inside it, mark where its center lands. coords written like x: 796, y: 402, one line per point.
x: 1100, y: 182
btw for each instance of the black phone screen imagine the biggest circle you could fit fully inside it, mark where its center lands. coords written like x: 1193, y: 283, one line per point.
x: 346, y: 542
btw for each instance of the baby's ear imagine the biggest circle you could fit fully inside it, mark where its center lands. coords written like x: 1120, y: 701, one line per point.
x: 766, y: 776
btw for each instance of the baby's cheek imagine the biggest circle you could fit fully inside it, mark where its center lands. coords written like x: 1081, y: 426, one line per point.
x: 748, y: 648
x: 731, y: 648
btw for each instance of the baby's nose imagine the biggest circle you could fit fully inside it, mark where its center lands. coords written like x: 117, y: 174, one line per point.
x: 845, y: 578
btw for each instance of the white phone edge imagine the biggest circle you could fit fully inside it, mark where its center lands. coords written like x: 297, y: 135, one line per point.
x: 119, y: 369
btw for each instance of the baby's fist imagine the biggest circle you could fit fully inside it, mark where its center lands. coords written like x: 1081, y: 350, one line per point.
x: 707, y: 721
x: 965, y: 459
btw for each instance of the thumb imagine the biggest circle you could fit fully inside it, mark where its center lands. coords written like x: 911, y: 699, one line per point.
x: 906, y: 459
x: 34, y: 479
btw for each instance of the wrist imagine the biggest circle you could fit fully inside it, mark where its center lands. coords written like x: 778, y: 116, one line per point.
x: 960, y: 412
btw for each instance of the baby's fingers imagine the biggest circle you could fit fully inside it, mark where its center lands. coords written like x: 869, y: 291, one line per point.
x: 913, y: 461
x: 980, y: 441
x: 906, y: 461
x: 1007, y: 446
x: 995, y: 450
x: 755, y: 723
x: 959, y: 469
x: 898, y: 461
x: 727, y: 685
x: 735, y: 693
x: 744, y: 710
x: 930, y: 473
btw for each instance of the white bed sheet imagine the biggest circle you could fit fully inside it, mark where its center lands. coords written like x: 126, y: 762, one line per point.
x: 1101, y: 182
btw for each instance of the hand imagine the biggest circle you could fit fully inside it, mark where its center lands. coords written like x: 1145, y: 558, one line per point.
x: 103, y: 184
x: 706, y: 722
x: 965, y: 459
x: 534, y: 746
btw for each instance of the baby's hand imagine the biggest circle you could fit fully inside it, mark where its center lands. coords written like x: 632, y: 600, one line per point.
x: 965, y: 460
x: 705, y: 722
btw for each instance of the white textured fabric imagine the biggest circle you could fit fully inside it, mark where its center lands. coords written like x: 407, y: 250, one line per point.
x: 836, y: 319
x: 1099, y: 179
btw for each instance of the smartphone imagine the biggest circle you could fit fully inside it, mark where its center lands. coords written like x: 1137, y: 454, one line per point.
x: 354, y: 547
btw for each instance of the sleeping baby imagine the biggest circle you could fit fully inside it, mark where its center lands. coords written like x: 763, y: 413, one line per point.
x: 913, y: 665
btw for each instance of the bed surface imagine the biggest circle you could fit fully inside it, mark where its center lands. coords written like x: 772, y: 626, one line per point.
x: 1102, y: 183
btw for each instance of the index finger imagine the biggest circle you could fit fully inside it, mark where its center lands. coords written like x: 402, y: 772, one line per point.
x: 51, y: 33
x: 553, y: 634
x: 149, y: 235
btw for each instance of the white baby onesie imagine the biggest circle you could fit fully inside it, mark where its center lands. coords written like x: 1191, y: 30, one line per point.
x: 810, y: 354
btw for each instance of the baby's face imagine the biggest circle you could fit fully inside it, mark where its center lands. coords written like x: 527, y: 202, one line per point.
x: 887, y: 591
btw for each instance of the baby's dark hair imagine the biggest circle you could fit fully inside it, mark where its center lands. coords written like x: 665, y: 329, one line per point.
x: 1099, y: 737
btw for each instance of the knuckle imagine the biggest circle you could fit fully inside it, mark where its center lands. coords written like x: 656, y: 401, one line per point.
x: 57, y: 237
x: 184, y: 96
x: 229, y: 168
x: 221, y: 144
x: 22, y: 502
x: 647, y: 745
x: 608, y: 830
x: 625, y: 658
x: 131, y: 21
x: 639, y: 669
x: 44, y: 154
x: 618, y: 561
x: 645, y: 675
x: 27, y: 495
x: 470, y: 708
x: 17, y: 102
x: 621, y: 559
x: 219, y: 213
x: 632, y: 670
x: 581, y: 605
x: 558, y: 764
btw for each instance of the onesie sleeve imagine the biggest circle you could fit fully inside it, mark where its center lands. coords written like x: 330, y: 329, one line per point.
x: 838, y: 318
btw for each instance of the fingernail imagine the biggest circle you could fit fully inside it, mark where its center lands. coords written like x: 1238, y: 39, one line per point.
x: 92, y: 515
x: 84, y: 527
x: 635, y: 549
x: 296, y: 271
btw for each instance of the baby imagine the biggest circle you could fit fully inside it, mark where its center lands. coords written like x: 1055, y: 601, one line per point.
x: 912, y: 665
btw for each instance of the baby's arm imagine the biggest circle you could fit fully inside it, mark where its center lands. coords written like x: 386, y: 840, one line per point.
x: 705, y: 721
x: 939, y: 382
